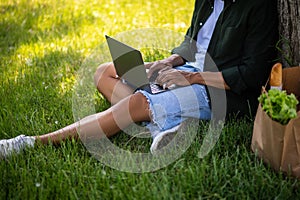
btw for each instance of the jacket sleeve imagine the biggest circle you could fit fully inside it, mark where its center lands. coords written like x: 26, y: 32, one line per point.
x: 259, y: 49
x: 186, y: 50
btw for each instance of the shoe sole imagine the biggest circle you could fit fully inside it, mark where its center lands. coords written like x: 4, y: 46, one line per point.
x: 163, y: 140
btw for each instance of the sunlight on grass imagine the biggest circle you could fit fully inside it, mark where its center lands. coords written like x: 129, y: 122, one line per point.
x: 43, y: 44
x: 60, y: 26
x: 67, y: 84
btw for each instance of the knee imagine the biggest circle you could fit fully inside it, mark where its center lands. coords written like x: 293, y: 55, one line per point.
x: 101, y: 72
x: 139, y: 107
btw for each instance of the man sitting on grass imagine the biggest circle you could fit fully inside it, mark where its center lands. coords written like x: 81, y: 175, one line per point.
x: 240, y: 37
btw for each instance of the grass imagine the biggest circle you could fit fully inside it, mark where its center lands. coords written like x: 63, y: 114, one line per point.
x: 43, y: 44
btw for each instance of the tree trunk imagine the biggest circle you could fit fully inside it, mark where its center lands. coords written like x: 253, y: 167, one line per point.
x: 289, y: 29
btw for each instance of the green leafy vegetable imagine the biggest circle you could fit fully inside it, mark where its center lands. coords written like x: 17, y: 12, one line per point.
x: 280, y: 106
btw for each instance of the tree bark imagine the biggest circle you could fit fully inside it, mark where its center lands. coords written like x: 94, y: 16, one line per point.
x: 289, y: 30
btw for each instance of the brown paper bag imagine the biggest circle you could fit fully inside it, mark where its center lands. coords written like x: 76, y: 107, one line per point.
x: 279, y: 145
x: 267, y: 139
x: 290, y: 161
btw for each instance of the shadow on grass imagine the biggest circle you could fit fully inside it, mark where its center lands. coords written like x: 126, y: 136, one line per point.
x: 24, y: 23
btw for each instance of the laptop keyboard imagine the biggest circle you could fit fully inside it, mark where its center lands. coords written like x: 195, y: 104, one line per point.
x: 156, y: 88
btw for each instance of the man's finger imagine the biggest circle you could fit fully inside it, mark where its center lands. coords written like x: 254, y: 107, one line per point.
x: 154, y: 69
x: 148, y: 65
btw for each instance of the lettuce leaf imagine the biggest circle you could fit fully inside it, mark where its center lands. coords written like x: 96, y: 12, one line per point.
x: 280, y: 106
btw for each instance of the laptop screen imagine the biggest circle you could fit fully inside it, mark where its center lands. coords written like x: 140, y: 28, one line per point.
x: 128, y: 63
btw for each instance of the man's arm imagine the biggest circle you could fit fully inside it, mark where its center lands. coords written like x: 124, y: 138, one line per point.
x: 258, y: 53
x: 169, y: 77
x: 174, y: 60
x: 214, y: 79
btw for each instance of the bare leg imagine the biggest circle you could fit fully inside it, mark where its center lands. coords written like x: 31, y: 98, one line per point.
x: 109, y: 85
x: 134, y: 108
x: 128, y: 109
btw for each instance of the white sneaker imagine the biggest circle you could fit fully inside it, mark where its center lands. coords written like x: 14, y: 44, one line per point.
x: 163, y: 138
x: 15, y: 145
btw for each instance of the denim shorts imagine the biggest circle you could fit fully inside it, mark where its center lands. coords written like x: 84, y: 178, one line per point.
x: 170, y: 108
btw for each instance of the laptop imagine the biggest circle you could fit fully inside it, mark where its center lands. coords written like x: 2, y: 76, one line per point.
x: 130, y: 66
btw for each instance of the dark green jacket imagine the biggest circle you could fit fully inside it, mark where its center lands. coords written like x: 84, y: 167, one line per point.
x: 242, y: 47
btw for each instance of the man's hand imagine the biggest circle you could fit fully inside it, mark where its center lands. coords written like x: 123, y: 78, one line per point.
x: 170, y: 62
x: 170, y: 77
x: 156, y: 67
